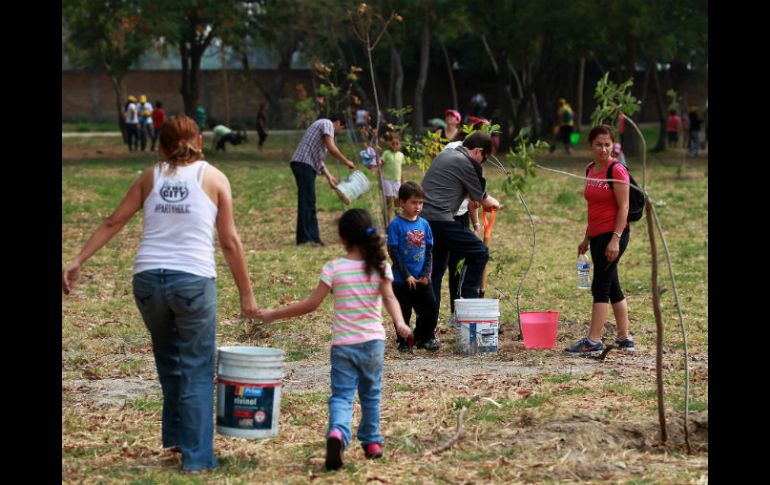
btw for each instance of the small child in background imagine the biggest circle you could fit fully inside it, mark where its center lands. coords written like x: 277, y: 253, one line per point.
x: 410, y: 246
x: 617, y: 153
x: 392, y: 159
x: 360, y: 282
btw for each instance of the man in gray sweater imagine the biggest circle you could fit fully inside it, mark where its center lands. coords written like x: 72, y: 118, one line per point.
x: 453, y: 175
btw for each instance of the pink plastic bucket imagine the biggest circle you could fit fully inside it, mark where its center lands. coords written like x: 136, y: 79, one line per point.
x: 539, y: 329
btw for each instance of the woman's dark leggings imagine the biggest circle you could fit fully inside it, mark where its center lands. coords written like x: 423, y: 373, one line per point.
x: 605, y: 286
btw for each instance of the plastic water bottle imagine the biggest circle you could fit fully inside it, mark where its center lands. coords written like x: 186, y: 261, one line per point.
x: 584, y: 272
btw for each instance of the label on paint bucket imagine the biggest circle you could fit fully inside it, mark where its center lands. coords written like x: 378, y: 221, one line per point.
x: 477, y: 336
x: 245, y: 405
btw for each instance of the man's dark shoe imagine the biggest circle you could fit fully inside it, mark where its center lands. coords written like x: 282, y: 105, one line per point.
x: 430, y: 344
x: 403, y: 347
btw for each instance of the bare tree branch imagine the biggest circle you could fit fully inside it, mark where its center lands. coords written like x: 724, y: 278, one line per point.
x: 453, y: 439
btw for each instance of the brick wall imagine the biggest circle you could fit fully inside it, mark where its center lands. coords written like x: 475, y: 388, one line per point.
x: 92, y: 96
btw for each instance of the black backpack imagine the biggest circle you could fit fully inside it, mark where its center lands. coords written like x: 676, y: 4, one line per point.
x: 635, y: 197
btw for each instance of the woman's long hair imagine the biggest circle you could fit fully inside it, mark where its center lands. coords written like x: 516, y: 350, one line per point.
x: 356, y: 227
x: 178, y: 139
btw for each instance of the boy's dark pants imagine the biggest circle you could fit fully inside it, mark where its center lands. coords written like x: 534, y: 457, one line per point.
x: 423, y: 302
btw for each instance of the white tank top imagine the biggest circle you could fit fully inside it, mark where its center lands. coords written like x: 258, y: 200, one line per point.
x: 179, y: 221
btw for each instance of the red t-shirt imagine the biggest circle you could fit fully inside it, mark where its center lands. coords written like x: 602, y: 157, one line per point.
x: 672, y: 124
x: 602, y: 208
x: 158, y: 117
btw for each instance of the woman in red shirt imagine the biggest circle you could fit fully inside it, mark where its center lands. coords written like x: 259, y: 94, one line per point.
x: 607, y: 235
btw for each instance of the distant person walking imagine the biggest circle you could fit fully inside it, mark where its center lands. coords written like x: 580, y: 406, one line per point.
x: 185, y: 200
x: 478, y: 105
x: 145, y: 121
x: 307, y: 162
x: 262, y: 124
x: 200, y: 117
x: 695, y: 125
x: 131, y: 117
x: 158, y: 118
x: 673, y: 126
x: 566, y: 120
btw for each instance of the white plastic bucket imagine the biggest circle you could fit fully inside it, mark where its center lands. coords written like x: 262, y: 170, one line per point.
x: 249, y: 381
x: 353, y: 187
x: 477, y: 322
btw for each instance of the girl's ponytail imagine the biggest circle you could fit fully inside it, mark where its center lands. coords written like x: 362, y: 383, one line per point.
x: 357, y: 228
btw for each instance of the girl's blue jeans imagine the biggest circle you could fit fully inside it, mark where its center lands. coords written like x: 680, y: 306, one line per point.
x: 357, y: 366
x: 179, y: 309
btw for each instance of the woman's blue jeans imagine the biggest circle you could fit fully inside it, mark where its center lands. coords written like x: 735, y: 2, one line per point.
x: 180, y: 309
x: 357, y: 366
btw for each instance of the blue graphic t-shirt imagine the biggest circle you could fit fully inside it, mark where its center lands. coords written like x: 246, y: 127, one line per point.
x: 407, y: 245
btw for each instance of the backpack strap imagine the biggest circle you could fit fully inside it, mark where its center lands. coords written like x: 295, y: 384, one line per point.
x: 609, y: 173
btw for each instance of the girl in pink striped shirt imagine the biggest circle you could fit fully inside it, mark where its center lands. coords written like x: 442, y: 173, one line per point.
x: 361, y: 283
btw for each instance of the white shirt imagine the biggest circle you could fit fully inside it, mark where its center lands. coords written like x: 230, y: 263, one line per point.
x: 132, y: 116
x: 179, y: 222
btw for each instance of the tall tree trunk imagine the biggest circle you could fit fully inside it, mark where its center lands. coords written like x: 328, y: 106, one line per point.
x: 645, y: 88
x: 417, y: 121
x: 117, y: 84
x: 661, y: 145
x: 224, y: 84
x: 397, y: 74
x: 274, y: 114
x: 191, y: 60
x: 96, y: 99
x: 451, y: 76
x: 276, y: 91
x: 507, y: 110
x: 581, y: 79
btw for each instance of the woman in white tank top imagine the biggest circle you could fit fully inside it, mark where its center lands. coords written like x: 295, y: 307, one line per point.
x: 184, y: 200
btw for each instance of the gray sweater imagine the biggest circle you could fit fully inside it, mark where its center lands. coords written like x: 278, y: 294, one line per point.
x: 452, y: 175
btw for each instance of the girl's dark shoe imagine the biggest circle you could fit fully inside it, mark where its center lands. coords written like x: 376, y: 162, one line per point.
x: 334, y: 448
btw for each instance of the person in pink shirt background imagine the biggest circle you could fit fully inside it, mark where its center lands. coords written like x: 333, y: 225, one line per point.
x: 607, y: 236
x: 360, y: 282
x: 673, y: 125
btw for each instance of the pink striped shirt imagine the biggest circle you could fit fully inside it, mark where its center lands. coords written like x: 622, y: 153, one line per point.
x: 357, y: 301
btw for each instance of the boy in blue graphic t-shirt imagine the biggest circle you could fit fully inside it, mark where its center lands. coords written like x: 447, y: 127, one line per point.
x: 410, y: 246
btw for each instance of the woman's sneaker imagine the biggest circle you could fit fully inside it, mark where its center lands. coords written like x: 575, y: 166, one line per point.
x: 625, y: 345
x: 334, y: 447
x: 372, y: 450
x: 584, y: 346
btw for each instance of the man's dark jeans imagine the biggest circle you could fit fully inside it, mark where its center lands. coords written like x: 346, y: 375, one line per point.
x: 307, y: 222
x: 455, y: 238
